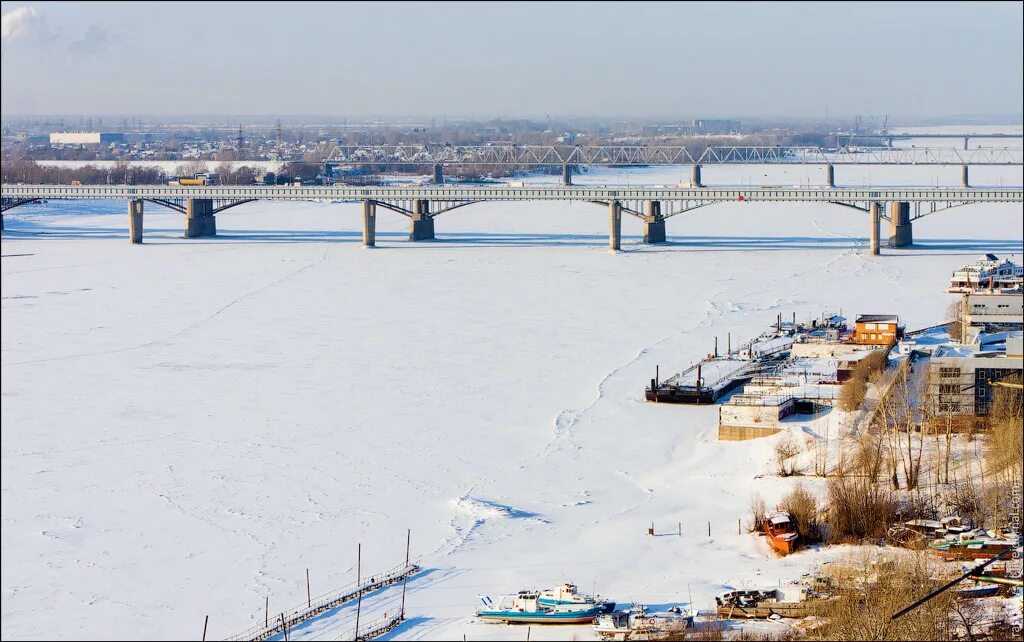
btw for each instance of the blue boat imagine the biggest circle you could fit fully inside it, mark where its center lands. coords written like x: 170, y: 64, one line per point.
x: 568, y: 594
x: 524, y: 608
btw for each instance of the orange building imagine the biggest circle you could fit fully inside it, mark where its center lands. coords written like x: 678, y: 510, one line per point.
x: 876, y: 329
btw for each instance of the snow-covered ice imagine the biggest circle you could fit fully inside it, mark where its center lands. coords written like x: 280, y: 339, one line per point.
x: 190, y: 424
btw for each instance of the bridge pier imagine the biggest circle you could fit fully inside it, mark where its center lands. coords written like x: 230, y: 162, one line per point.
x: 876, y: 219
x: 421, y: 225
x: 965, y: 177
x: 900, y: 230
x: 615, y: 234
x: 566, y: 174
x: 369, y: 223
x: 654, y: 223
x: 438, y: 173
x: 135, y: 219
x: 199, y: 218
x: 695, y: 177
x: 830, y: 176
x: 965, y: 142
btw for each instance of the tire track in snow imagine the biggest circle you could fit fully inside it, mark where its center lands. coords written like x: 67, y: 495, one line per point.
x: 179, y: 333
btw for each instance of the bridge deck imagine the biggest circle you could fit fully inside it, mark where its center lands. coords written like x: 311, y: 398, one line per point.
x: 504, y: 193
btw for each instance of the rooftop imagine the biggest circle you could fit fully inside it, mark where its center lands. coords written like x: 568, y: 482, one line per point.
x: 877, y: 318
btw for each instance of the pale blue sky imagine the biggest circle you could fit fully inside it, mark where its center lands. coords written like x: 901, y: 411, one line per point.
x: 514, y: 60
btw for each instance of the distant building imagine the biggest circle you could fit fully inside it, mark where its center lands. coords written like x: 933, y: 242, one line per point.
x: 959, y: 382
x: 995, y: 312
x: 86, y: 138
x: 714, y: 126
x: 877, y: 329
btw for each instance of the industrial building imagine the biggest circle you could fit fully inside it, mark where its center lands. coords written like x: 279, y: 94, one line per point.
x: 714, y: 126
x: 86, y: 138
x: 983, y: 312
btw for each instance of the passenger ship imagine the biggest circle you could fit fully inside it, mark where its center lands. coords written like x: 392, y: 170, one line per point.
x: 990, y: 271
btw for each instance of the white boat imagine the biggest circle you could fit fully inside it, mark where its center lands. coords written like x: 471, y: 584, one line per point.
x: 640, y: 624
x: 990, y: 271
x: 524, y: 608
x: 568, y: 594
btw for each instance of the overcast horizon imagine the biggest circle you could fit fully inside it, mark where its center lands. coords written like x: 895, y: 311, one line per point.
x: 914, y: 62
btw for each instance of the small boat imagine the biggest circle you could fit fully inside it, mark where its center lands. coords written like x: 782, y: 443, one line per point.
x: 778, y: 526
x: 524, y: 608
x: 979, y: 590
x: 568, y: 594
x: 639, y: 624
x: 973, y: 545
x: 763, y: 604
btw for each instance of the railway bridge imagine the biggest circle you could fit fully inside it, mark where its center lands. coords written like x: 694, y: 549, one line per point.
x: 569, y: 157
x: 422, y: 204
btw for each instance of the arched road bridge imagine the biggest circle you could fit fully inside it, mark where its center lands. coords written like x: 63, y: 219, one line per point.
x: 421, y: 204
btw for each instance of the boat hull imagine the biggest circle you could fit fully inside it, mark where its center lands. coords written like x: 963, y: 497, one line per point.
x: 602, y: 607
x: 782, y: 546
x: 964, y: 553
x: 526, y: 617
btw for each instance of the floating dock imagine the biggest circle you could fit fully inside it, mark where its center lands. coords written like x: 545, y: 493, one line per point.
x: 703, y: 383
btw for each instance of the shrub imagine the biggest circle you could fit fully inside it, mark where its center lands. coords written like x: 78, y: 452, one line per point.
x: 803, y: 508
x: 786, y: 451
x: 851, y: 397
x: 858, y: 508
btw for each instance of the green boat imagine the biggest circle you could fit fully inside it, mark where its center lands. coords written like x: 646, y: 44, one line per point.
x: 524, y: 608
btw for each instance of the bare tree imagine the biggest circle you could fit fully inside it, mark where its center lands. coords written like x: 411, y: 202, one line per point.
x: 786, y: 452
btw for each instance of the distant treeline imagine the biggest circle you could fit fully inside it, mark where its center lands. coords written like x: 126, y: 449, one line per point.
x: 124, y: 173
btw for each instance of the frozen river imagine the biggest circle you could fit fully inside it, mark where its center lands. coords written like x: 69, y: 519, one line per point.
x: 188, y: 425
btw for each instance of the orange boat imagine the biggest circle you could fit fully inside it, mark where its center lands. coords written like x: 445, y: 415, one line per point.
x: 781, y: 532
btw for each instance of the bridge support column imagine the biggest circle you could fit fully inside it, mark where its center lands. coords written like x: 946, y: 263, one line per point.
x: 369, y: 223
x: 615, y: 233
x: 876, y: 219
x: 421, y: 225
x: 965, y: 142
x: 135, y: 220
x: 566, y: 174
x: 695, y: 177
x: 654, y: 224
x: 830, y: 176
x: 965, y: 179
x: 438, y: 173
x: 900, y: 231
x: 199, y: 218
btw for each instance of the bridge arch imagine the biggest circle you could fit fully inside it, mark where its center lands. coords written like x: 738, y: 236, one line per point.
x: 11, y: 203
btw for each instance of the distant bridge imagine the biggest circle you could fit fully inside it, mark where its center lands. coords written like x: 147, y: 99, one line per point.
x: 966, y: 137
x: 634, y: 155
x: 421, y: 204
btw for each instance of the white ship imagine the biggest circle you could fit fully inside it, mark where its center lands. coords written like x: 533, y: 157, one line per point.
x: 988, y: 272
